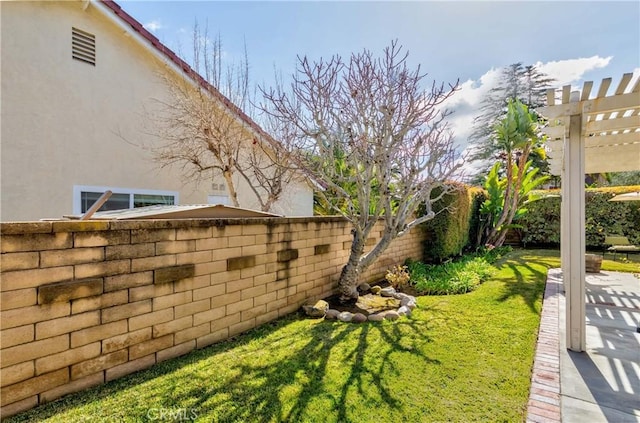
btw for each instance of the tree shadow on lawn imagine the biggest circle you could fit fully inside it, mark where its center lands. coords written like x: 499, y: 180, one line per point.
x: 338, y: 365
x: 321, y: 377
x: 526, y: 279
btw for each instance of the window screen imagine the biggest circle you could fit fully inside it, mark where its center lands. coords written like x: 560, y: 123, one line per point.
x: 115, y: 202
x: 141, y: 200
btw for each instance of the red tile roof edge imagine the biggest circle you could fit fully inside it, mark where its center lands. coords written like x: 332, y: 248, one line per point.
x: 171, y: 55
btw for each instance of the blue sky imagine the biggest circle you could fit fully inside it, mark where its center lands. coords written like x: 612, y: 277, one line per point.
x: 571, y: 41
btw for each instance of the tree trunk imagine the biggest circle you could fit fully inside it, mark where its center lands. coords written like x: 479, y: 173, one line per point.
x: 233, y: 195
x: 350, y: 275
x: 510, y: 208
x: 494, y: 232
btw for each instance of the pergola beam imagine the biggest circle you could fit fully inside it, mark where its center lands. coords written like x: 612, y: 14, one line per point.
x: 618, y: 124
x: 602, y: 105
x: 601, y: 160
x: 629, y: 140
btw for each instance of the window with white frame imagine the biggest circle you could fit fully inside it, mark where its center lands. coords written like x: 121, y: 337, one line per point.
x: 122, y: 198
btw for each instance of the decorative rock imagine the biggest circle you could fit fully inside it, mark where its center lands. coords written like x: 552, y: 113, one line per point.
x: 319, y: 309
x: 388, y: 291
x: 404, y: 311
x: 400, y: 295
x: 364, y: 287
x: 375, y: 303
x: 376, y: 317
x: 375, y: 289
x: 345, y: 316
x: 391, y: 315
x: 331, y: 314
x: 359, y: 318
x: 411, y: 305
x: 408, y: 299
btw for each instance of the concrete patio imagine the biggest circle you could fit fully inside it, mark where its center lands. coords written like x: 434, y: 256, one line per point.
x: 601, y: 384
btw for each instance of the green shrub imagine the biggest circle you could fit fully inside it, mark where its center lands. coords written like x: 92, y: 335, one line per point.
x: 541, y: 226
x: 448, y: 231
x: 456, y: 277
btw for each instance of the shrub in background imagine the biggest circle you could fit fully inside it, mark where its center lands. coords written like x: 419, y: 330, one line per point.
x: 448, y: 232
x: 604, y: 217
x: 541, y: 226
x: 477, y: 223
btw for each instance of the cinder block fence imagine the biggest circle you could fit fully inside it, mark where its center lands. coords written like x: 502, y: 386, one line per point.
x: 87, y: 302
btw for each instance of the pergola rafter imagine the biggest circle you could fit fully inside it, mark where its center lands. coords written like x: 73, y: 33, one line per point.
x: 587, y: 135
x: 610, y: 125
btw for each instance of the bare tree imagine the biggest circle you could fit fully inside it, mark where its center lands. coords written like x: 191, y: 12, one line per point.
x: 201, y: 130
x: 374, y: 140
x: 272, y: 163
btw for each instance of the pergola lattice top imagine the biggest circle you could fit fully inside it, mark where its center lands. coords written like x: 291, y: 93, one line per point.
x: 610, y: 125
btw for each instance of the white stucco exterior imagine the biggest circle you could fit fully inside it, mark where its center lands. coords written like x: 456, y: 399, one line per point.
x: 66, y: 123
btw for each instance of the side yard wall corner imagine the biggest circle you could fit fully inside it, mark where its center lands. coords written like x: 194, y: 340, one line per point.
x: 83, y: 303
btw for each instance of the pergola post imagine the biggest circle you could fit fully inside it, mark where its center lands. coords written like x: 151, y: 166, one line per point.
x: 573, y: 238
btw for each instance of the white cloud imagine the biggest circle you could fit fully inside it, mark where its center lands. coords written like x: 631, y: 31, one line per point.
x: 467, y: 101
x: 572, y: 70
x: 153, y: 26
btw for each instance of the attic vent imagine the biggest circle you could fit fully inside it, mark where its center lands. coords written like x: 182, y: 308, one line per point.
x: 83, y: 46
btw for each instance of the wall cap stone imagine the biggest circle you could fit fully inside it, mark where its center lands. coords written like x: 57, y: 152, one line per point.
x: 104, y: 225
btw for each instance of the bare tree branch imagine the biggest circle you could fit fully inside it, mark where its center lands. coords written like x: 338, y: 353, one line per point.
x: 201, y: 132
x: 373, y: 139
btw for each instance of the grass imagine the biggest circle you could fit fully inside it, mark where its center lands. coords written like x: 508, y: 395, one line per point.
x: 457, y: 358
x: 622, y: 264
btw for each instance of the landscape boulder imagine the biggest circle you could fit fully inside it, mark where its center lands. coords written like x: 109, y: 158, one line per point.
x: 319, y: 309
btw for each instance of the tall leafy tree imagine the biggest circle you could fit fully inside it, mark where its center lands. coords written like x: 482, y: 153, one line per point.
x: 516, y: 134
x: 518, y: 82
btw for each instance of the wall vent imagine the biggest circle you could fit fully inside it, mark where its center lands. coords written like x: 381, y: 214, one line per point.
x: 83, y: 46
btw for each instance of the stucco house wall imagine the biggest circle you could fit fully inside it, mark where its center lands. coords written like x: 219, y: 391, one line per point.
x: 66, y: 123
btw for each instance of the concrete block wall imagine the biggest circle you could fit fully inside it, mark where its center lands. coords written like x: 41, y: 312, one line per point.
x: 83, y: 303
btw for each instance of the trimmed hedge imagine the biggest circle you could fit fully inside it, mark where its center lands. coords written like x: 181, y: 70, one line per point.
x: 541, y: 225
x: 449, y: 232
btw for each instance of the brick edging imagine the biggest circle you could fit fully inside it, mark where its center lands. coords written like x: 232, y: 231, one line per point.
x: 544, y: 396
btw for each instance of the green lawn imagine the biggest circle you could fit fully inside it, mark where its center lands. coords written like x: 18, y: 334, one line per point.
x: 458, y: 358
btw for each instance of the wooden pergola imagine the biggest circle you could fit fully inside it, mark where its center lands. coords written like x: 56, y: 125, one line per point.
x: 587, y: 135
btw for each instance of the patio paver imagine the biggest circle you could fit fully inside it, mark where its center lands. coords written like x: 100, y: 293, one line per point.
x: 601, y: 384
